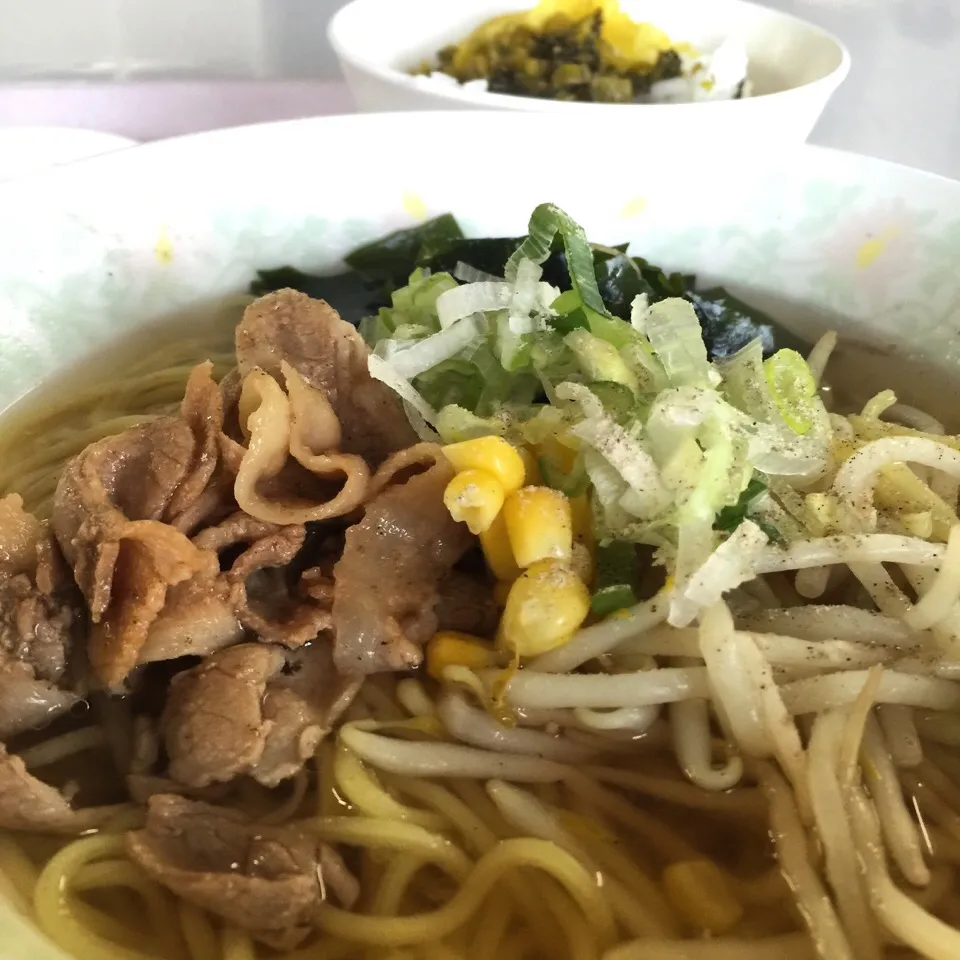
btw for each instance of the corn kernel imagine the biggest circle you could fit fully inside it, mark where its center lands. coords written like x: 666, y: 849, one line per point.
x: 699, y: 891
x: 491, y: 454
x: 544, y: 608
x: 450, y: 649
x: 539, y: 525
x: 475, y: 498
x: 497, y: 551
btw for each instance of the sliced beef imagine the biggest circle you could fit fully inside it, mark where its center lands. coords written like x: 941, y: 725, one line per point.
x: 108, y: 517
x: 27, y: 803
x: 252, y: 709
x: 34, y: 627
x: 142, y: 786
x: 239, y: 529
x: 143, y: 778
x: 331, y: 357
x: 20, y: 533
x: 290, y: 471
x: 199, y: 617
x: 403, y: 465
x: 387, y: 579
x: 268, y: 881
x: 213, y: 723
x: 465, y: 604
x: 302, y: 704
x: 269, y: 605
x: 37, y: 616
x: 263, y: 589
x: 205, y: 492
x: 318, y: 584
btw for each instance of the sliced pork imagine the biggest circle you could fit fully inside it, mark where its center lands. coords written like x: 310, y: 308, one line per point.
x: 213, y: 723
x: 38, y: 614
x: 330, y: 356
x: 270, y: 882
x: 263, y: 588
x: 386, y: 582
x: 291, y: 470
x: 302, y: 704
x: 107, y: 516
x: 253, y: 709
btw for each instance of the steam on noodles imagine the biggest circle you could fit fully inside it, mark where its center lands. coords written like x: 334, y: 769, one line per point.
x: 642, y: 653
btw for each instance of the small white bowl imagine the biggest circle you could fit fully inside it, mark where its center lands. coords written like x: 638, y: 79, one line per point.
x: 794, y: 69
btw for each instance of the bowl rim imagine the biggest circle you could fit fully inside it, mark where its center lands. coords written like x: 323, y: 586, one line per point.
x: 482, y: 98
x: 399, y: 120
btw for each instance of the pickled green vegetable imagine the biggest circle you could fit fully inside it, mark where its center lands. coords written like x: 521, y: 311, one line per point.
x: 574, y: 50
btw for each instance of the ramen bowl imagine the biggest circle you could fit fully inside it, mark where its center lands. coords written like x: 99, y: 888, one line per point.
x: 794, y: 67
x: 106, y: 249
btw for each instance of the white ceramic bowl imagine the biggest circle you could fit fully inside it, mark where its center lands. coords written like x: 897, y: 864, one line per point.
x: 25, y: 150
x: 92, y: 251
x: 795, y: 67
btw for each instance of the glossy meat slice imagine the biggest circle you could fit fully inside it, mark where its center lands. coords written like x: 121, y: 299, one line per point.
x: 20, y: 534
x: 386, y: 582
x: 204, y: 494
x: 213, y: 721
x: 268, y: 881
x: 302, y: 704
x: 252, y: 709
x: 331, y: 356
x: 291, y: 470
x: 199, y: 617
x: 108, y: 518
x: 121, y: 513
x: 266, y: 597
x: 37, y: 616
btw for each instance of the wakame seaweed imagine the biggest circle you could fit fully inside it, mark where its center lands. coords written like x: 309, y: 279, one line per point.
x: 376, y: 269
x: 382, y: 266
x: 389, y: 261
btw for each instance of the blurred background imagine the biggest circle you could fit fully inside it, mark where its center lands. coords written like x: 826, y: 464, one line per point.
x: 153, y: 68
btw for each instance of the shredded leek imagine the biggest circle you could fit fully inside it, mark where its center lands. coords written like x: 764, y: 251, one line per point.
x: 690, y: 456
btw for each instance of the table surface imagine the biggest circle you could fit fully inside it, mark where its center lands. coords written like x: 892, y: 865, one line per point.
x: 902, y: 98
x: 901, y: 101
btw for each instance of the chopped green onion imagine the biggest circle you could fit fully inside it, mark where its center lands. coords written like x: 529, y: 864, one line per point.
x: 546, y: 222
x: 600, y: 360
x: 792, y: 387
x: 617, y: 399
x: 567, y: 302
x: 455, y: 424
x: 616, y: 578
x: 609, y: 600
x: 729, y: 518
